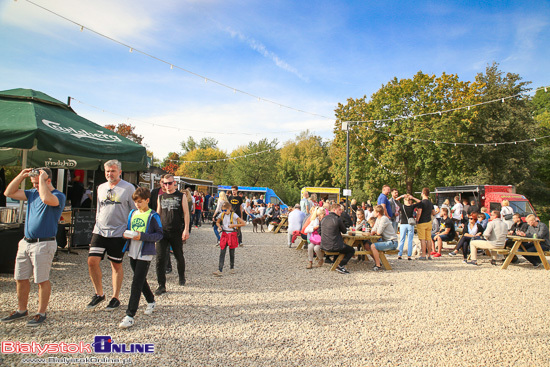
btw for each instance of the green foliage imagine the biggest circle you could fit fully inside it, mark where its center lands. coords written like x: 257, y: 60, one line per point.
x: 258, y: 169
x: 205, y: 143
x: 510, y: 120
x: 213, y: 171
x: 387, y: 152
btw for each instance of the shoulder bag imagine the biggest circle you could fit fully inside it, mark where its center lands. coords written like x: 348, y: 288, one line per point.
x: 411, y: 221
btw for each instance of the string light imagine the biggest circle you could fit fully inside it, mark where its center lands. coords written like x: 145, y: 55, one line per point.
x: 223, y: 159
x: 180, y: 68
x: 450, y: 143
x: 453, y: 109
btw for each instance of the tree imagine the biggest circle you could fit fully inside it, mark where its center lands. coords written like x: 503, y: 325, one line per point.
x: 304, y: 162
x: 127, y: 131
x: 171, y: 162
x: 389, y: 146
x: 213, y: 171
x: 507, y: 121
x: 259, y: 168
x: 205, y: 143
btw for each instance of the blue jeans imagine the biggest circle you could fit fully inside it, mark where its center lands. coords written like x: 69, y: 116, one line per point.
x: 406, y: 231
x: 217, y: 232
x: 385, y: 245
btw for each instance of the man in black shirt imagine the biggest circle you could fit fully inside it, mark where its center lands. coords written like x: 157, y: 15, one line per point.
x: 331, y: 230
x: 174, y: 216
x: 236, y: 201
x: 446, y: 232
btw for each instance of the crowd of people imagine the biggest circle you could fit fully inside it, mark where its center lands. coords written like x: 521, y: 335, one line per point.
x: 145, y: 223
x: 395, y: 218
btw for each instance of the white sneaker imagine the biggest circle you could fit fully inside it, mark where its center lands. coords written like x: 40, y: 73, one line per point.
x: 127, y: 322
x: 150, y: 308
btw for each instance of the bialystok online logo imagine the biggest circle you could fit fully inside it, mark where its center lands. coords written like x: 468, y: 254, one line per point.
x: 101, y: 344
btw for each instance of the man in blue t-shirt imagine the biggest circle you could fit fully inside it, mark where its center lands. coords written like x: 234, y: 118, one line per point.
x: 36, y: 250
x: 385, y: 202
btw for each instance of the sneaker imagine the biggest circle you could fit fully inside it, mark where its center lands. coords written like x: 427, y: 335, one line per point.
x: 342, y: 270
x: 232, y: 271
x: 127, y: 322
x: 437, y: 254
x: 376, y: 268
x: 160, y: 290
x: 150, y: 308
x: 168, y: 271
x: 15, y: 316
x: 537, y: 265
x: 36, y: 320
x: 96, y: 300
x: 422, y: 258
x: 452, y: 253
x: 182, y: 282
x: 399, y: 258
x: 113, y: 304
x: 217, y: 273
x: 465, y: 261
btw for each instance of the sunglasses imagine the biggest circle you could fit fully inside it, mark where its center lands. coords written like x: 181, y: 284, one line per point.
x: 168, y: 183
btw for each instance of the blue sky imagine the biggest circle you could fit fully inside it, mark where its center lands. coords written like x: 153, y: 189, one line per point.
x: 310, y: 55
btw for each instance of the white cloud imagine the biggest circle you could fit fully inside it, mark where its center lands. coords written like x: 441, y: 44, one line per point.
x: 262, y: 50
x: 232, y: 124
x: 124, y: 20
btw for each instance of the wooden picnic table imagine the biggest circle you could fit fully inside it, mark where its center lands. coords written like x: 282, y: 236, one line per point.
x: 282, y: 223
x: 355, y: 240
x: 516, y: 250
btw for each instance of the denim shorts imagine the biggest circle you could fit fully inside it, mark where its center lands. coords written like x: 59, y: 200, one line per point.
x: 385, y: 245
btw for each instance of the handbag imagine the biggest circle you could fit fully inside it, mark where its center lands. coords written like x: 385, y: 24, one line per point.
x: 315, y: 238
x: 411, y: 221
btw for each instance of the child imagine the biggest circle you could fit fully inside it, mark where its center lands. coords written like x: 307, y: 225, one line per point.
x: 141, y: 248
x: 227, y: 223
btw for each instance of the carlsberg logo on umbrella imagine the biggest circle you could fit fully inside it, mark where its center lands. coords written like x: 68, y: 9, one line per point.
x: 100, y: 135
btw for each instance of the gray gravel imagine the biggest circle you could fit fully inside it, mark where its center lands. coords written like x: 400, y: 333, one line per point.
x: 276, y: 312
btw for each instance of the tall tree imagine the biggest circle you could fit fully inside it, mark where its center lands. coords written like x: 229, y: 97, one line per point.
x: 204, y: 169
x: 504, y: 121
x: 127, y: 131
x: 304, y: 162
x: 257, y: 169
x: 389, y: 146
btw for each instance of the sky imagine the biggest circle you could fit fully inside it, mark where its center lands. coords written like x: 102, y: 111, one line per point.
x: 246, y: 70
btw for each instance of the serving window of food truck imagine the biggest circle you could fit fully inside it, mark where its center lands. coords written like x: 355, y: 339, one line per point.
x: 323, y: 193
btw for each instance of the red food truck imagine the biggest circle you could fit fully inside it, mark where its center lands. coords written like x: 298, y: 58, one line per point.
x: 489, y: 196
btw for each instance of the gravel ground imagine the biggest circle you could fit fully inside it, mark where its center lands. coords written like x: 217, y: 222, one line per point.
x: 276, y: 312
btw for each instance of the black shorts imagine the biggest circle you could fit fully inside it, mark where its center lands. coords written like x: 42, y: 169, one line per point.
x: 111, y: 245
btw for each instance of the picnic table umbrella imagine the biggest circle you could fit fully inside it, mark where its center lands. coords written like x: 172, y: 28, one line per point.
x: 41, y: 131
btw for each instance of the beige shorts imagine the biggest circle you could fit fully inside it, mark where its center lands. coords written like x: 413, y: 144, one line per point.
x: 34, y: 259
x: 424, y: 231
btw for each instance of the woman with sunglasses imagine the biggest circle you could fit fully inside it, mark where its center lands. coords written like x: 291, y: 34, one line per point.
x: 472, y: 230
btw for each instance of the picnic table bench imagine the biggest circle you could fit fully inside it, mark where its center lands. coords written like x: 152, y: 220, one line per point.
x: 355, y: 240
